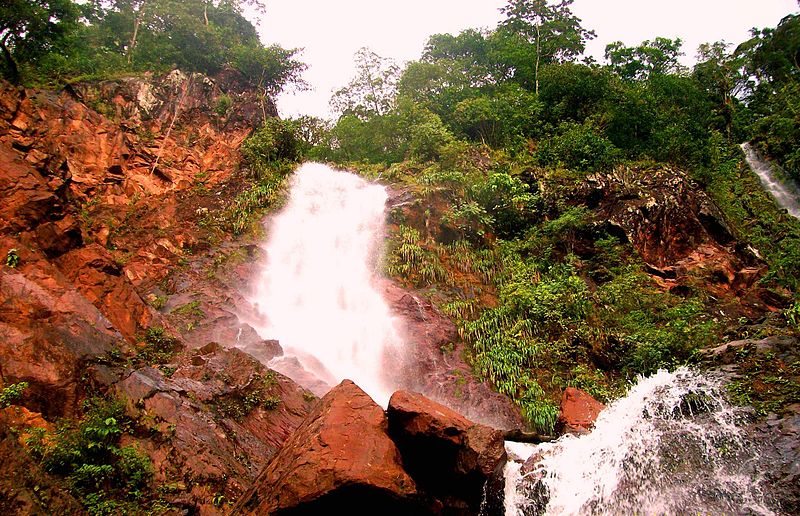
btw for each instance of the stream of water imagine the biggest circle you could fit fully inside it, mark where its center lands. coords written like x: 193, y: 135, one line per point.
x: 316, y: 290
x: 671, y: 446
x: 785, y: 191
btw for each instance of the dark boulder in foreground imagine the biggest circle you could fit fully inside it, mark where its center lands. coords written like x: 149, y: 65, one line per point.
x: 340, y: 461
x: 448, y: 456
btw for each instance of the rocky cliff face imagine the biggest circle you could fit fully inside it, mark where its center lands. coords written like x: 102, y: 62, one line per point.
x: 101, y: 184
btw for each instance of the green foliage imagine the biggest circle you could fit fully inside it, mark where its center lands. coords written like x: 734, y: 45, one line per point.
x: 271, y: 68
x: 269, y: 192
x: 54, y: 41
x: 765, y: 381
x: 102, y: 474
x: 550, y: 31
x: 158, y: 346
x: 372, y: 91
x: 190, y: 309
x: 659, y: 56
x: 575, y: 92
x: 12, y: 393
x: 777, y: 127
x: 12, y: 258
x: 32, y: 29
x: 792, y: 315
x: 257, y: 393
x: 411, y: 258
x: 224, y: 103
x: 275, y: 145
x: 579, y: 147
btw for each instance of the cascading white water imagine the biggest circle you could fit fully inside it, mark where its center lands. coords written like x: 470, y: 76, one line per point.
x: 785, y: 192
x: 316, y: 290
x: 671, y: 446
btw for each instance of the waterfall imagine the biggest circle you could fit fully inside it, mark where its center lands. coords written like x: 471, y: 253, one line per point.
x: 316, y: 288
x: 785, y: 191
x: 671, y: 446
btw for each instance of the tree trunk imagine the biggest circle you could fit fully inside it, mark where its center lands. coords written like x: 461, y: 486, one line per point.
x: 538, y: 54
x: 137, y: 21
x: 13, y: 71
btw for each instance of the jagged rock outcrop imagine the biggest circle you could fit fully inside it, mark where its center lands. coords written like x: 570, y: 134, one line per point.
x: 448, y: 456
x: 221, y: 416
x: 678, y: 231
x: 104, y: 185
x: 340, y: 461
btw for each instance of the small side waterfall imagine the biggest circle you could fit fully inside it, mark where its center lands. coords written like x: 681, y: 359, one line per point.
x: 785, y: 191
x: 316, y: 289
x: 671, y: 446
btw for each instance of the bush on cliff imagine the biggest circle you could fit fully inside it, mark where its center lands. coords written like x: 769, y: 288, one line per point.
x: 106, y: 477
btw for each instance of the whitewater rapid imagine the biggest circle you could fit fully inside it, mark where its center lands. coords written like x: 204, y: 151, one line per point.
x: 316, y: 290
x: 673, y: 445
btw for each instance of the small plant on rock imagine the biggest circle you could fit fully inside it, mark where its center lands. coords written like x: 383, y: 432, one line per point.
x: 12, y: 393
x: 12, y: 258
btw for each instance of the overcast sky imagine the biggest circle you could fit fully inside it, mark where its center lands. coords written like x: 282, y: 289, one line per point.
x: 331, y: 31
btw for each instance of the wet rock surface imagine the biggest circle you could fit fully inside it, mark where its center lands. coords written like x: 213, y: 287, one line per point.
x: 776, y: 434
x: 219, y: 416
x: 780, y: 460
x: 435, y: 364
x: 340, y: 461
x: 681, y: 234
x: 447, y: 455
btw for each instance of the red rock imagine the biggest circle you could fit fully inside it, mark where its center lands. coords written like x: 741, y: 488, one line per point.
x: 579, y: 411
x: 99, y: 278
x: 200, y: 441
x: 447, y: 455
x: 340, y: 461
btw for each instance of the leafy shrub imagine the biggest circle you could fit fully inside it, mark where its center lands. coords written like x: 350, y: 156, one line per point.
x: 579, y: 147
x: 508, y: 201
x: 12, y: 393
x: 410, y: 259
x: 12, y: 258
x: 87, y: 453
x: 159, y: 346
x: 224, y: 103
x: 273, y: 146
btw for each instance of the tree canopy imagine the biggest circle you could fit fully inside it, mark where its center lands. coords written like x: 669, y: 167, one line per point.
x: 51, y: 41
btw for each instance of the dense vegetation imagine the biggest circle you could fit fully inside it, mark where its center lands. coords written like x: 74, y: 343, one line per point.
x: 49, y: 42
x: 496, y: 130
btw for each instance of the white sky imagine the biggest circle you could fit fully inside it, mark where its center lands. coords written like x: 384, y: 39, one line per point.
x: 331, y: 31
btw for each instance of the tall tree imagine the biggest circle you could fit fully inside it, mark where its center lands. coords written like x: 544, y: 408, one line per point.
x: 657, y: 57
x: 720, y: 74
x: 372, y: 91
x: 30, y: 29
x: 553, y: 31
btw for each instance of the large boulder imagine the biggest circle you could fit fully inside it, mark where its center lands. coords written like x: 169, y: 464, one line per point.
x: 447, y: 455
x: 340, y: 461
x: 579, y: 411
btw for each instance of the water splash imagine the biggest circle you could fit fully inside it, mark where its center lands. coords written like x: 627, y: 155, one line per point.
x: 785, y: 191
x: 316, y: 290
x: 671, y: 446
